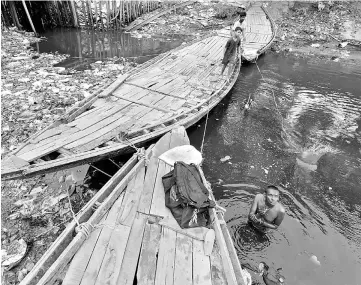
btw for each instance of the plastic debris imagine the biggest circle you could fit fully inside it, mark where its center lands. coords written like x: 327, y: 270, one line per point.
x: 314, y: 260
x: 225, y: 159
x: 15, y: 253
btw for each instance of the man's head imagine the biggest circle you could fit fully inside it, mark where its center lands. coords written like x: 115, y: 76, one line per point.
x: 272, y: 195
x: 238, y: 31
x: 242, y: 16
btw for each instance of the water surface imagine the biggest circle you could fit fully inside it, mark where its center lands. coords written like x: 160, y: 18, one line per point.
x: 88, y: 46
x: 310, y: 144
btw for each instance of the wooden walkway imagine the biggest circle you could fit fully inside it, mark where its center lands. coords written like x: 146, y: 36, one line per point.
x: 138, y: 241
x: 176, y: 88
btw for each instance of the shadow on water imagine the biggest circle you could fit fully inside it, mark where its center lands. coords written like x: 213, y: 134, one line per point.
x: 88, y: 46
x: 313, y: 152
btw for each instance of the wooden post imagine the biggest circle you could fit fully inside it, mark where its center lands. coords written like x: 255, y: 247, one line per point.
x: 96, y: 15
x: 90, y: 13
x: 4, y: 14
x: 101, y: 15
x: 84, y: 13
x: 75, y: 18
x: 14, y: 15
x: 123, y: 11
x: 29, y: 18
x: 108, y: 15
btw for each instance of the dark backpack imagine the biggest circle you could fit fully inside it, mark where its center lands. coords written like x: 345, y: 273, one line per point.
x: 186, y: 196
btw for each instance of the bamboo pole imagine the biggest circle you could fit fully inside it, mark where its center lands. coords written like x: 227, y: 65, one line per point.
x: 108, y: 15
x: 75, y: 17
x: 90, y: 13
x: 128, y: 11
x: 123, y: 11
x: 119, y: 10
x: 29, y: 17
x: 84, y: 13
x: 96, y: 15
x: 14, y: 15
x: 119, y: 17
x: 5, y: 16
x: 101, y: 15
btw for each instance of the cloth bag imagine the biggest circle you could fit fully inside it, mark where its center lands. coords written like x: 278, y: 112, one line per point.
x: 186, y: 196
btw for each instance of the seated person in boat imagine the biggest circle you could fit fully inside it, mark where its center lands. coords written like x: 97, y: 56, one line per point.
x: 266, y: 212
x: 231, y: 52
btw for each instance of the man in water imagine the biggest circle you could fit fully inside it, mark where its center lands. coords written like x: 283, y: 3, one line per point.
x: 266, y: 212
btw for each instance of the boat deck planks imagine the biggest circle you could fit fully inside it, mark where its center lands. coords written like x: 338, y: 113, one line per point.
x: 138, y: 240
x: 178, y: 83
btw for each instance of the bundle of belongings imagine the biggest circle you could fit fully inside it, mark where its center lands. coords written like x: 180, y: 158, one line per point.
x: 186, y: 196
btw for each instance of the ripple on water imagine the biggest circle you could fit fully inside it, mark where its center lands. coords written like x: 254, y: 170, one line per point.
x: 314, y: 151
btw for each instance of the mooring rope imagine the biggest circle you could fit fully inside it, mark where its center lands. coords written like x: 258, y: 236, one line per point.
x: 205, y: 128
x: 273, y: 94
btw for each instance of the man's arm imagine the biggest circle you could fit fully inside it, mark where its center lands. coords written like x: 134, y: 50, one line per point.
x: 253, y: 210
x: 277, y: 221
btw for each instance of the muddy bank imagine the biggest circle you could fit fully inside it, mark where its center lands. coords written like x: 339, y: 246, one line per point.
x: 34, y: 93
x: 329, y: 30
x: 195, y: 20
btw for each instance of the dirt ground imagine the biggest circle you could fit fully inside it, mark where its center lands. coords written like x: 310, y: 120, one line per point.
x: 330, y: 30
x: 34, y: 93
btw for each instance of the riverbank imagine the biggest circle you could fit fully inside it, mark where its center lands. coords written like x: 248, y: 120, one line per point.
x: 34, y: 93
x: 328, y: 30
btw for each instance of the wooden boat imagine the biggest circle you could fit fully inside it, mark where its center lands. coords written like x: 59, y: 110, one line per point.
x: 174, y: 89
x: 126, y: 243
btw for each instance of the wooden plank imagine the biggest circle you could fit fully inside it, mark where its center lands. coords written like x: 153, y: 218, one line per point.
x: 143, y: 104
x: 146, y: 199
x: 149, y: 181
x: 217, y: 271
x: 128, y: 268
x: 100, y: 250
x: 81, y: 259
x: 100, y: 128
x: 83, y: 215
x: 113, y: 256
x: 201, y: 265
x: 103, y: 93
x: 148, y: 255
x: 156, y: 91
x: 131, y: 199
x: 166, y: 256
x: 158, y: 201
x: 183, y: 260
x: 78, y: 240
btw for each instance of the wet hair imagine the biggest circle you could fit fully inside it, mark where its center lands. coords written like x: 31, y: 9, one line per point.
x: 273, y: 187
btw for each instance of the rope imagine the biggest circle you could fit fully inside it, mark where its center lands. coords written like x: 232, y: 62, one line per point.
x: 204, y: 132
x: 140, y: 151
x: 273, y: 94
x: 71, y: 208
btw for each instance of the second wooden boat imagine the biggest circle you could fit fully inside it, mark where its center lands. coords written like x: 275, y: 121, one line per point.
x: 127, y: 242
x: 174, y: 89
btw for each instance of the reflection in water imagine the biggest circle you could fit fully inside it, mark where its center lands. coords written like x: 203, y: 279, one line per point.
x: 314, y: 152
x: 87, y: 46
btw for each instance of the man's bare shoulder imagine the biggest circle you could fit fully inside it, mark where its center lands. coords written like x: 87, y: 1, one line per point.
x: 281, y: 208
x: 259, y: 197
